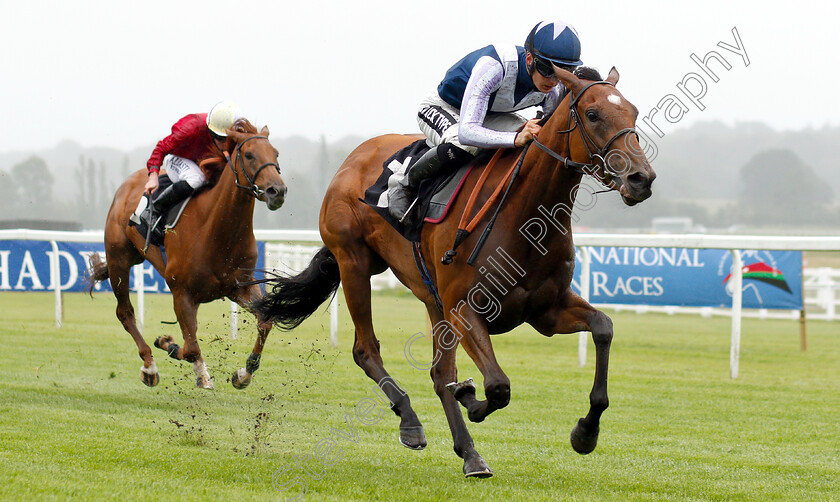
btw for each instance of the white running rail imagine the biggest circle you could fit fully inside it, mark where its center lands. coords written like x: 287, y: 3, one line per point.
x: 821, y: 284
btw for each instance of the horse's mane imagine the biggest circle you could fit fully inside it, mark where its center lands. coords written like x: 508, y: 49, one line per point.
x: 214, y: 165
x: 587, y: 73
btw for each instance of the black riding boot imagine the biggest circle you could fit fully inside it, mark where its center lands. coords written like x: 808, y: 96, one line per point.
x: 170, y: 196
x: 436, y: 160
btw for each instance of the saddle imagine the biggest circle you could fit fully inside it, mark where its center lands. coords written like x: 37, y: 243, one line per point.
x: 142, y: 215
x: 434, y: 199
x: 434, y: 195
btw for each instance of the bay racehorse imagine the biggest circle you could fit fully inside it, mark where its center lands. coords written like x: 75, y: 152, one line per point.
x: 210, y: 252
x: 522, y: 275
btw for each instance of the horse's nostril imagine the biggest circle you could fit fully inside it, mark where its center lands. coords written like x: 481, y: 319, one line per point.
x: 276, y: 191
x: 637, y: 180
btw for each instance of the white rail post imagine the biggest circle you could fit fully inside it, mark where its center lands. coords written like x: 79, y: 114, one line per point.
x: 583, y: 336
x: 140, y: 285
x: 737, y: 297
x: 55, y: 270
x: 803, y: 334
x: 831, y: 297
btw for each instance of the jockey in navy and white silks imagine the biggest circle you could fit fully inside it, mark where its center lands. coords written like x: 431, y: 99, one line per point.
x: 476, y: 99
x: 474, y: 106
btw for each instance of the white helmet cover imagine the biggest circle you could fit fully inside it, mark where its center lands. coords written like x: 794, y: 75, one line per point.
x: 222, y: 117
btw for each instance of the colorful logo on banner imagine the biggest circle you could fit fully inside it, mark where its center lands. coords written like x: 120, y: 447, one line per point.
x: 692, y: 277
x: 25, y: 266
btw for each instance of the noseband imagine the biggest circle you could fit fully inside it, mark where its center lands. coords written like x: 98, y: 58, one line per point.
x: 253, y: 189
x: 597, y: 156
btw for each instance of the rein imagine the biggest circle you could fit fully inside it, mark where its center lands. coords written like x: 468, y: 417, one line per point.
x: 253, y: 189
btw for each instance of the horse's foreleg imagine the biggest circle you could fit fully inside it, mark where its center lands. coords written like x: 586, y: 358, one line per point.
x: 186, y: 310
x: 242, y: 377
x: 578, y: 315
x: 443, y: 372
x: 476, y: 341
x: 355, y: 280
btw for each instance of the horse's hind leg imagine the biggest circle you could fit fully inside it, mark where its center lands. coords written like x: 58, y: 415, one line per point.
x: 242, y: 377
x: 443, y: 372
x: 119, y: 266
x: 186, y: 310
x: 355, y: 268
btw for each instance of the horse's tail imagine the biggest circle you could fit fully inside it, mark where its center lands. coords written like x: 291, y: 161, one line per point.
x: 98, y: 271
x: 293, y: 299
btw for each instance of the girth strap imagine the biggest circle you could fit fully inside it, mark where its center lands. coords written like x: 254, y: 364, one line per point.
x: 425, y: 275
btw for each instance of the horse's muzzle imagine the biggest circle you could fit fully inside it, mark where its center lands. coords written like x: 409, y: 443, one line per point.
x: 275, y: 196
x: 636, y: 188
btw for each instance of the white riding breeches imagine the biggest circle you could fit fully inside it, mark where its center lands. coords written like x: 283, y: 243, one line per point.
x: 181, y: 169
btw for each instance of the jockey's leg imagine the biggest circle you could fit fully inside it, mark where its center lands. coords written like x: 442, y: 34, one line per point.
x: 439, y: 159
x: 171, y: 195
x: 186, y: 178
x: 439, y: 121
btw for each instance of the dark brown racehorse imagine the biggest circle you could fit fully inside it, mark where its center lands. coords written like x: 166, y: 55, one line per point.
x: 522, y: 274
x: 210, y: 251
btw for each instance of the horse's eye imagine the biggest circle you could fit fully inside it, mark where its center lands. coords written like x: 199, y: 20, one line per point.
x: 249, y: 155
x: 591, y: 115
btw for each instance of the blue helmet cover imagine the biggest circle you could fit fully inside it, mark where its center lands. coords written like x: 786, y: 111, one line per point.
x: 555, y: 41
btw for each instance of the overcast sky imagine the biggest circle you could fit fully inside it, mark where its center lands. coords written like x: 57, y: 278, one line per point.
x: 120, y: 73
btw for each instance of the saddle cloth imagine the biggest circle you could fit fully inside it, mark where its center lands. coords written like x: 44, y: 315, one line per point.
x: 140, y: 218
x: 435, y: 195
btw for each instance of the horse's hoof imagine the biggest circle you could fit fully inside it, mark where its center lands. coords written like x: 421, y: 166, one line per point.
x: 584, y: 441
x: 460, y: 389
x: 413, y: 437
x: 240, y: 379
x: 149, y: 377
x: 204, y: 383
x: 150, y: 380
x: 477, y: 415
x: 476, y: 467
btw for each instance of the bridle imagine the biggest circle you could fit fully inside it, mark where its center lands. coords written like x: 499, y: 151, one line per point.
x: 253, y: 189
x: 466, y: 227
x: 597, y: 156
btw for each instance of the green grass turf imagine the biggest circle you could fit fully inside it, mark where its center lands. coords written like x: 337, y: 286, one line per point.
x: 77, y: 423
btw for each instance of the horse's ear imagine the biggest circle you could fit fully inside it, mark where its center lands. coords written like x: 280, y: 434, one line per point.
x: 613, y: 76
x: 235, y: 135
x: 264, y: 131
x: 569, y: 79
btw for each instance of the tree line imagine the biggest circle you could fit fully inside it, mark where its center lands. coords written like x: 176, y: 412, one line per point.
x: 722, y: 177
